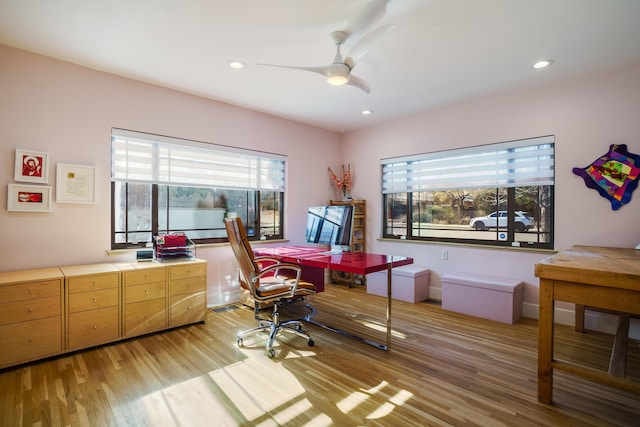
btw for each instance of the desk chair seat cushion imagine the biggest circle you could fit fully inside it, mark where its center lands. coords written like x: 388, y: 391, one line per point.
x: 273, y: 286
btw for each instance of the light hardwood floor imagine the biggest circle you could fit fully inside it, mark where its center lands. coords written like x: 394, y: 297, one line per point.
x: 443, y: 369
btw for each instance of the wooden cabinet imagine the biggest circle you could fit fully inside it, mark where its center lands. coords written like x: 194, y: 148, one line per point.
x: 31, y: 313
x: 51, y: 311
x: 92, y: 298
x: 358, y: 238
x: 145, y: 298
x: 187, y: 292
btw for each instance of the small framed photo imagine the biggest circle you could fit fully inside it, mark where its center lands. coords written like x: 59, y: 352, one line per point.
x: 31, y: 166
x: 28, y: 198
x: 75, y: 184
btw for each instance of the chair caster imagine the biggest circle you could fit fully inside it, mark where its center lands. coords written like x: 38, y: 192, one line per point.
x: 311, y: 343
x: 270, y: 353
x: 239, y: 342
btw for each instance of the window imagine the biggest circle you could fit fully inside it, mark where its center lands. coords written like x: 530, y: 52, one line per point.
x: 163, y: 185
x: 499, y: 194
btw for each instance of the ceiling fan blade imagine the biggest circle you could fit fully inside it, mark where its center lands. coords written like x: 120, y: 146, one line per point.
x: 371, y: 14
x: 320, y: 70
x: 359, y: 83
x: 362, y: 47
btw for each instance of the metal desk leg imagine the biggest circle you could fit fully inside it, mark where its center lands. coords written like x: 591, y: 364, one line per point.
x: 309, y: 319
x: 389, y: 276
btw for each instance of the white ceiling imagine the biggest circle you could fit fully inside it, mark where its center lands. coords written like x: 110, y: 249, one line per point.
x: 440, y: 51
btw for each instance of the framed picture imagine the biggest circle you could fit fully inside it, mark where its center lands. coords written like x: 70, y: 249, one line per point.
x: 75, y: 184
x: 31, y: 166
x: 28, y: 198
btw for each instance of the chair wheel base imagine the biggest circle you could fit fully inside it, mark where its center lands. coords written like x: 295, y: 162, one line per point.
x: 311, y: 343
x: 270, y: 353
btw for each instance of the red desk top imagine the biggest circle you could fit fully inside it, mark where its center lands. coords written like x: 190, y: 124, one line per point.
x: 350, y: 262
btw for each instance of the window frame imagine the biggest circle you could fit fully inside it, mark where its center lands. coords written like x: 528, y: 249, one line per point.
x: 392, y: 199
x: 255, y: 194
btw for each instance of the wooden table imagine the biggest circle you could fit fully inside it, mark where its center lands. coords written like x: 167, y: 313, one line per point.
x: 607, y: 278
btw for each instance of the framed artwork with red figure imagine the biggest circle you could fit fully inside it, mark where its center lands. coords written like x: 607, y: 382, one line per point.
x: 31, y: 166
x: 28, y: 198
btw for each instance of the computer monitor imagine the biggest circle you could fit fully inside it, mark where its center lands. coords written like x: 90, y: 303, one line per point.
x: 330, y: 225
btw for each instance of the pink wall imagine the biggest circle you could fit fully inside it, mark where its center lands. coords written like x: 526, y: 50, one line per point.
x: 68, y: 111
x: 586, y: 115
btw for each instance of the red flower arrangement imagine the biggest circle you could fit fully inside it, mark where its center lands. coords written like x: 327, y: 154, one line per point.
x: 343, y: 183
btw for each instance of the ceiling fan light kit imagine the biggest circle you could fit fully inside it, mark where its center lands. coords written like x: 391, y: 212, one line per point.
x: 339, y: 72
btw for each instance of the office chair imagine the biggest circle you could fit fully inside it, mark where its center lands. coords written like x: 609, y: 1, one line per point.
x: 269, y: 281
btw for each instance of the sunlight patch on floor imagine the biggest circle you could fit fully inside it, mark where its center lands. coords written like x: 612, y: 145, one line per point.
x: 189, y: 403
x: 380, y: 328
x: 359, y: 398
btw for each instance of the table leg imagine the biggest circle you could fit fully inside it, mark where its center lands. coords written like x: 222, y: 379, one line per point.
x: 545, y: 342
x: 310, y: 319
x: 579, y: 318
x: 389, y: 276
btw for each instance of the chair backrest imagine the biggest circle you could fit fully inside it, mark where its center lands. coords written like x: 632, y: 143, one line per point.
x: 242, y: 250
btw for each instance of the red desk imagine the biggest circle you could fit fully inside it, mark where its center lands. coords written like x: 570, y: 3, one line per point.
x: 350, y: 262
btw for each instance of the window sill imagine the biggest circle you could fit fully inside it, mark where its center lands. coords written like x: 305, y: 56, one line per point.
x: 472, y: 246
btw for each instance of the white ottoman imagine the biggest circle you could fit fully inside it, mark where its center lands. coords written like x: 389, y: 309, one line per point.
x: 490, y: 297
x: 408, y: 283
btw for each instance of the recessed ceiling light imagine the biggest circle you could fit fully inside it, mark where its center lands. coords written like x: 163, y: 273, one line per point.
x: 366, y: 112
x: 237, y: 65
x: 544, y: 63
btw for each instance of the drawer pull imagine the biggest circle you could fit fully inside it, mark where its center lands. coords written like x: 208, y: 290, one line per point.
x: 29, y: 310
x: 94, y: 300
x: 30, y: 291
x: 95, y: 327
x: 30, y: 340
x: 146, y: 292
x: 93, y: 283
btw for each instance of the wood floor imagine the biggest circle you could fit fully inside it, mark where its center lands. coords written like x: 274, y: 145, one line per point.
x: 442, y: 369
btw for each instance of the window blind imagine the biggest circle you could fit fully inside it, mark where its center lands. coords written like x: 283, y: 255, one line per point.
x: 526, y: 162
x: 140, y: 157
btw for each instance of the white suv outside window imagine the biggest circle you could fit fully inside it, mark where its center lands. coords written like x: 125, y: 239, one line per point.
x: 522, y: 221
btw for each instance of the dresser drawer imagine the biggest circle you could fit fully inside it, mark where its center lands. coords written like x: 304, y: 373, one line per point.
x: 23, y: 291
x: 187, y: 270
x: 145, y: 316
x: 92, y: 282
x: 187, y: 309
x: 91, y: 328
x: 26, y: 341
x: 31, y: 309
x: 145, y: 292
x: 139, y: 277
x: 93, y: 300
x: 187, y: 286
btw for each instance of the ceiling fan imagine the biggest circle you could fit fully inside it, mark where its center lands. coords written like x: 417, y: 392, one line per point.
x: 339, y: 71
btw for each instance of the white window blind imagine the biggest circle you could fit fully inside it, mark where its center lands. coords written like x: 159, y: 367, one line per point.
x: 140, y: 157
x: 527, y: 162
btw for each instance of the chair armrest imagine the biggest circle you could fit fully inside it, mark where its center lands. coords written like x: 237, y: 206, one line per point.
x: 275, y: 270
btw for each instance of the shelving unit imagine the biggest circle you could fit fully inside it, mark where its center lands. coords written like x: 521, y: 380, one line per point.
x: 358, y: 239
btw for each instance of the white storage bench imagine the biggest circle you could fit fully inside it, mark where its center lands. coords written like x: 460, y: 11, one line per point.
x: 409, y: 283
x: 490, y: 297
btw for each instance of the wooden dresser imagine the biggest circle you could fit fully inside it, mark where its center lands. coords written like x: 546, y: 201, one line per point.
x: 145, y: 298
x: 31, y: 312
x: 92, y: 301
x: 51, y: 311
x: 187, y: 293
